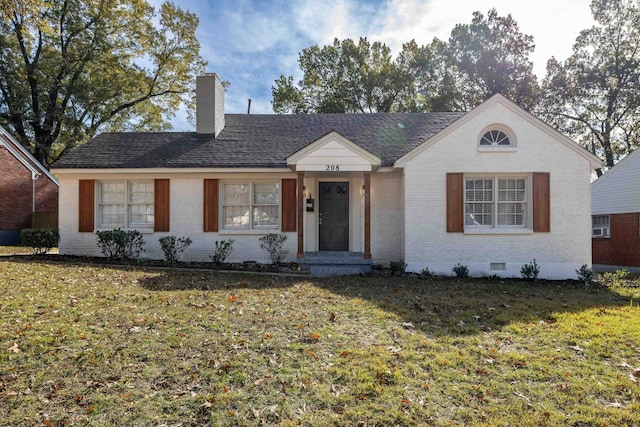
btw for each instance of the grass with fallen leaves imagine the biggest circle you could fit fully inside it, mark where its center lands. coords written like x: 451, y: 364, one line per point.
x: 86, y: 345
x: 12, y: 250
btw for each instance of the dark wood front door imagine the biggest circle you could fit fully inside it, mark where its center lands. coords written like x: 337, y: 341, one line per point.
x: 334, y: 216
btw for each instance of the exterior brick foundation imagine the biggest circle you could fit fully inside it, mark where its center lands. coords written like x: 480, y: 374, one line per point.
x: 623, y: 245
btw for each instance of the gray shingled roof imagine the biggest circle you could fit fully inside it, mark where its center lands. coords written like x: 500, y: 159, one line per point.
x: 258, y: 141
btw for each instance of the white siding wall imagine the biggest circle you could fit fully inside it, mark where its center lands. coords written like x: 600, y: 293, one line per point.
x: 559, y: 253
x: 618, y: 190
x: 186, y: 216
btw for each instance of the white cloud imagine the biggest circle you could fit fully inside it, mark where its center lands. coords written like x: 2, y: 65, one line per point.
x: 251, y: 43
x: 553, y: 24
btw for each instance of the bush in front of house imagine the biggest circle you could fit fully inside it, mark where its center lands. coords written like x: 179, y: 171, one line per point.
x: 173, y: 247
x: 461, y: 271
x: 530, y: 271
x: 274, y: 244
x: 585, y: 275
x: 40, y: 240
x: 221, y: 252
x: 119, y: 244
x: 398, y: 268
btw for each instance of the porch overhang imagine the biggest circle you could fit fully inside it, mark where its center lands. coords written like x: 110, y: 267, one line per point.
x: 333, y: 153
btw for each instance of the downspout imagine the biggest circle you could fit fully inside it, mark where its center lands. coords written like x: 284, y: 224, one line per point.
x: 34, y: 176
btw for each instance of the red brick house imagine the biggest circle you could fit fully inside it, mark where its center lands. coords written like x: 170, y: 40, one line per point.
x: 615, y: 209
x: 25, y: 187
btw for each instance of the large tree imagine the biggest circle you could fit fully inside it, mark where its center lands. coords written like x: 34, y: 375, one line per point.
x: 488, y: 56
x: 594, y: 95
x: 72, y: 68
x: 346, y: 77
x: 480, y: 59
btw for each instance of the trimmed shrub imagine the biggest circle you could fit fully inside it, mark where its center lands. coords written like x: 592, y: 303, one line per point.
x: 173, y: 247
x: 118, y: 244
x: 40, y: 240
x: 461, y: 271
x: 585, y: 275
x: 222, y: 251
x: 530, y: 271
x: 425, y: 273
x: 398, y: 267
x: 274, y: 244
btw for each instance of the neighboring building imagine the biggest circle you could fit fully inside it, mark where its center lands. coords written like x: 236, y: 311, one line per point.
x: 615, y: 206
x: 25, y: 187
x: 492, y: 189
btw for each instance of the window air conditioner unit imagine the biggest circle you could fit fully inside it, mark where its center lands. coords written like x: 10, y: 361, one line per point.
x: 601, y: 231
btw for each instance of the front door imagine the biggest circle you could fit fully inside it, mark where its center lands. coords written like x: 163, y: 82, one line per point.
x: 334, y: 216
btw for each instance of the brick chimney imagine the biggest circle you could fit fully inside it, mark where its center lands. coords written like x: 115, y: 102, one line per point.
x: 209, y: 104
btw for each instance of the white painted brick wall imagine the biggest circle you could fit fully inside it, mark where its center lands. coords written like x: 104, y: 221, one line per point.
x: 387, y: 217
x: 186, y: 219
x: 559, y: 253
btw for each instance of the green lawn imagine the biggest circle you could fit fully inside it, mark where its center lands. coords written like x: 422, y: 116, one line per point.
x: 83, y: 345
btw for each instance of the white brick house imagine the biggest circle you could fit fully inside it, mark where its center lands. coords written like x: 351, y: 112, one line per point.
x: 491, y: 189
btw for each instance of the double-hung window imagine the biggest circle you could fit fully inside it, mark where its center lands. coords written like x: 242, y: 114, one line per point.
x: 496, y: 202
x: 125, y: 204
x: 251, y: 205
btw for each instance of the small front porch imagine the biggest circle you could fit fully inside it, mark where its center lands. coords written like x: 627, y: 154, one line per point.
x: 334, y: 228
x: 335, y: 263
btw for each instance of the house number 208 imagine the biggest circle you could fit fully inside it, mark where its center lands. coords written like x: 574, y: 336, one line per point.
x: 332, y: 168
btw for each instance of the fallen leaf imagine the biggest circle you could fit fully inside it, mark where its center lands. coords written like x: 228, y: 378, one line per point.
x: 345, y: 353
x: 332, y: 317
x: 206, y: 404
x: 14, y: 348
x: 314, y: 336
x: 47, y: 423
x: 311, y: 353
x: 232, y: 298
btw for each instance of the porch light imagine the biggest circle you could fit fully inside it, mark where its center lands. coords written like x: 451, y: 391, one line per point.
x: 363, y: 190
x: 305, y: 192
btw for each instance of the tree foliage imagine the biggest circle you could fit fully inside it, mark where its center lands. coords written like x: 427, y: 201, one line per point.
x: 593, y: 96
x: 486, y: 57
x: 71, y: 68
x: 483, y: 58
x: 346, y: 77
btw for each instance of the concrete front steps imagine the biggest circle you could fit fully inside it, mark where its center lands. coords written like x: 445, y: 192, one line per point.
x: 334, y: 263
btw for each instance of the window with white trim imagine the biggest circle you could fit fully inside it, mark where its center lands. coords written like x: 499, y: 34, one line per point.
x: 251, y: 205
x: 496, y: 202
x: 495, y: 137
x: 600, y: 226
x: 125, y: 204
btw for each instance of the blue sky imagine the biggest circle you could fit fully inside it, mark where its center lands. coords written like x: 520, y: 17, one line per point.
x: 252, y: 42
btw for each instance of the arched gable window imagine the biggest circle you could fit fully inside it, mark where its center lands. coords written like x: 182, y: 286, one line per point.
x: 495, y: 137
